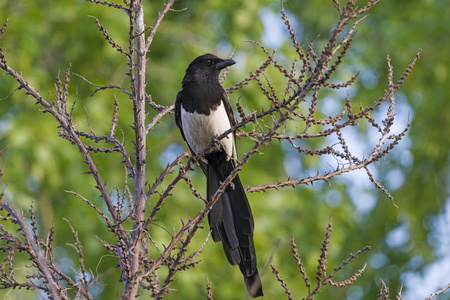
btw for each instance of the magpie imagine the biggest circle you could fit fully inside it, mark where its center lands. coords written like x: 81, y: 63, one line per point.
x: 203, y: 112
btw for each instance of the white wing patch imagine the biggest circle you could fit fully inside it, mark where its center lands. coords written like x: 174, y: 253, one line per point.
x: 199, y: 129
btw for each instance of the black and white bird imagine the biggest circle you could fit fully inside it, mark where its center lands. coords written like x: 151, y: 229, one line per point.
x: 202, y: 112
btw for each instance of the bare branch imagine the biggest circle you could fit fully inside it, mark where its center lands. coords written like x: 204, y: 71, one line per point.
x: 104, y: 87
x: 111, y: 4
x: 281, y: 280
x: 161, y: 15
x: 447, y: 287
x: 108, y: 37
x: 53, y: 284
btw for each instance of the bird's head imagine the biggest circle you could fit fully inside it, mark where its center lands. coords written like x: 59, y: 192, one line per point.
x: 206, y: 68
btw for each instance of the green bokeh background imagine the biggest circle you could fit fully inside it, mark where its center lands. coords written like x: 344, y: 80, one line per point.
x: 43, y: 38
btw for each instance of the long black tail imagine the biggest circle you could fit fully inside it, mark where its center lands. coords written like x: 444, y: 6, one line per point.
x: 231, y: 220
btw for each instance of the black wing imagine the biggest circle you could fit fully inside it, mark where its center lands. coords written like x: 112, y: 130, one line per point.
x: 178, y: 114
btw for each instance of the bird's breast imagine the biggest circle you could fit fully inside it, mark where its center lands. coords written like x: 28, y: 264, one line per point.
x: 199, y: 129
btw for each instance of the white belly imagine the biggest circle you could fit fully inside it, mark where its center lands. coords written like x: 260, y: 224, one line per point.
x: 200, y: 129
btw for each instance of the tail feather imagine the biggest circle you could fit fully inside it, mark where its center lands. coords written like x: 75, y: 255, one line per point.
x: 231, y: 221
x: 254, y: 285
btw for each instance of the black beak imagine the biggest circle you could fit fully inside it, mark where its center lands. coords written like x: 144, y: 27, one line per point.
x: 224, y: 63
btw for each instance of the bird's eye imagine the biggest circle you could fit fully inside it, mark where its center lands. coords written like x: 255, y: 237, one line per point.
x: 209, y: 62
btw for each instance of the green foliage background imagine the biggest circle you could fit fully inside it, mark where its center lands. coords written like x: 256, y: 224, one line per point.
x: 44, y: 38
